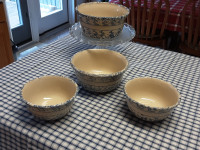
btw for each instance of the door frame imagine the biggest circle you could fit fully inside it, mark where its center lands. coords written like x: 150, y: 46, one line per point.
x: 34, y: 19
x: 7, y: 20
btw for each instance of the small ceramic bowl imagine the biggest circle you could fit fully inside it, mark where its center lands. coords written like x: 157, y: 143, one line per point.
x: 151, y: 99
x: 99, y: 70
x: 102, y: 20
x: 49, y: 97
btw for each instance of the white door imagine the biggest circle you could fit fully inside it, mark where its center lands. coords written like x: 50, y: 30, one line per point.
x: 27, y: 23
x: 52, y: 14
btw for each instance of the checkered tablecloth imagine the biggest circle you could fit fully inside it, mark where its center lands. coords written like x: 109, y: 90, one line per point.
x: 174, y: 18
x: 101, y: 121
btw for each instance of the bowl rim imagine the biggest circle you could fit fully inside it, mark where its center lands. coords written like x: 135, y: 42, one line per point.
x: 50, y: 106
x: 149, y: 107
x: 100, y: 75
x: 117, y: 17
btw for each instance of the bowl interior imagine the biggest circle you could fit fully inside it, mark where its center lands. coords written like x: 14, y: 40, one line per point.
x: 152, y: 92
x: 49, y: 90
x: 99, y: 61
x: 102, y: 9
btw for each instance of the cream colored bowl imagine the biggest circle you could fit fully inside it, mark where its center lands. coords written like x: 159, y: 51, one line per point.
x: 151, y: 99
x: 49, y: 97
x: 99, y: 70
x: 102, y: 20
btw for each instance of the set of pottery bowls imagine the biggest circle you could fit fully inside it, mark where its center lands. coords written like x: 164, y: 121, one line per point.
x: 100, y: 70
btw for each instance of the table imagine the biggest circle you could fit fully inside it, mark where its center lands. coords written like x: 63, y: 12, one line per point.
x: 101, y: 121
x: 174, y: 18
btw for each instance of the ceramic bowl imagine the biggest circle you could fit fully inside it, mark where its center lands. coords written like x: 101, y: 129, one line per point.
x: 151, y: 99
x: 99, y: 70
x: 102, y: 20
x: 49, y: 97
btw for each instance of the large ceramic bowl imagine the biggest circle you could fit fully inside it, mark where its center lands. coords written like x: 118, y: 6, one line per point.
x: 151, y: 99
x: 49, y: 97
x: 99, y: 70
x: 102, y: 20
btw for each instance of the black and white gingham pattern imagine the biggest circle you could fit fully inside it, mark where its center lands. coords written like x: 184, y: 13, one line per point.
x: 101, y: 121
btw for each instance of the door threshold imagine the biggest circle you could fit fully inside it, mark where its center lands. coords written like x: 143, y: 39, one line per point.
x: 44, y: 36
x: 54, y: 31
x: 26, y: 45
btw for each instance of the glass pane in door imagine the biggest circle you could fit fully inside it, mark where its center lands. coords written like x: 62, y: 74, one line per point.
x: 48, y: 7
x: 14, y: 13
